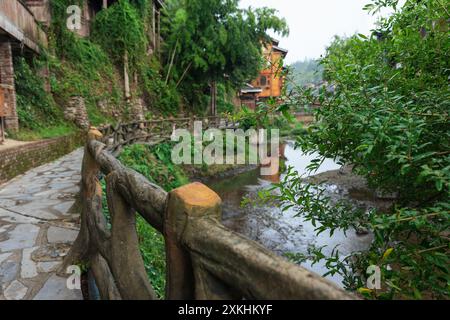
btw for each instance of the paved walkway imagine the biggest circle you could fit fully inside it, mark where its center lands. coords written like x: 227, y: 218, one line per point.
x: 36, y: 230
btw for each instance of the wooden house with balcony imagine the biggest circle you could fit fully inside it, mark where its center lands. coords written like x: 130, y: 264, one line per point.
x: 270, y: 81
x: 23, y: 26
x: 42, y: 12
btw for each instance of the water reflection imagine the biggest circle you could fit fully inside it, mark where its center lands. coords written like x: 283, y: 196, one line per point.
x: 268, y: 225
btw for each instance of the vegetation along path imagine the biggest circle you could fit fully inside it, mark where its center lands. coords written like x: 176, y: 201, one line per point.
x: 37, y: 229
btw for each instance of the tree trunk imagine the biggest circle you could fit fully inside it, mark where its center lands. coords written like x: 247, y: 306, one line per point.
x: 213, y: 98
x: 126, y: 76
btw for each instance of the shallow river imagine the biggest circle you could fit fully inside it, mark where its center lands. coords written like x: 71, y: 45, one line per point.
x: 278, y: 231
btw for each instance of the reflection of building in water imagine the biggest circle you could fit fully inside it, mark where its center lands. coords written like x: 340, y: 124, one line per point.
x: 283, y: 151
x: 274, y: 163
x: 275, y: 178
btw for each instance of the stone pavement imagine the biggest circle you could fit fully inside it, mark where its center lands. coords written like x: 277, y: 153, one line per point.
x: 36, y: 230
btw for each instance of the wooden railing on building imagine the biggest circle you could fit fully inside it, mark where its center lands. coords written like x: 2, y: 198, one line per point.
x: 19, y: 22
x: 204, y: 259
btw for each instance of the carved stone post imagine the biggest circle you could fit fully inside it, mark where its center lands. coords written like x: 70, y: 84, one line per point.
x: 193, y: 200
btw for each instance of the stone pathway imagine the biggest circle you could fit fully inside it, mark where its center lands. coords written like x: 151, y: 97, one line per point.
x: 36, y: 230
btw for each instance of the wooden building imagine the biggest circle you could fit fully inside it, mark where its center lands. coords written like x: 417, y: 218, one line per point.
x: 42, y: 12
x: 20, y: 34
x: 249, y: 96
x: 23, y: 25
x: 270, y: 81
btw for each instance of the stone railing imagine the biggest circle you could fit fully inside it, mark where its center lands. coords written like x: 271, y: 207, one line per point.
x: 204, y: 259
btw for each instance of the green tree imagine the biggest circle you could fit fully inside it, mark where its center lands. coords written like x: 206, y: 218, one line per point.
x: 120, y: 30
x: 388, y: 117
x: 306, y: 72
x: 215, y: 40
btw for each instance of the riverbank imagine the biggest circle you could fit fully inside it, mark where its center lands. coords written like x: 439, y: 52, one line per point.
x: 281, y: 232
x: 215, y: 172
x: 286, y: 232
x: 354, y: 187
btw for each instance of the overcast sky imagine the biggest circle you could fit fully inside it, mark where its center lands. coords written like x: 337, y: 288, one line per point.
x: 313, y: 23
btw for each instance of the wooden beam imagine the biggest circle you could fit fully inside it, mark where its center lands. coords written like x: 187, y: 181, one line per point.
x: 19, y: 23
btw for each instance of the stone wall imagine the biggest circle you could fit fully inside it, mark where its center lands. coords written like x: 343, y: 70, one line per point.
x: 137, y: 109
x: 18, y: 160
x: 76, y: 112
x: 7, y: 85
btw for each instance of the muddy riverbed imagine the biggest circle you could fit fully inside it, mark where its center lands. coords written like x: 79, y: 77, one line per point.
x: 286, y: 232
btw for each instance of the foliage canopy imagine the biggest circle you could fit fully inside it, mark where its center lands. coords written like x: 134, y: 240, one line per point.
x: 388, y: 117
x: 216, y: 40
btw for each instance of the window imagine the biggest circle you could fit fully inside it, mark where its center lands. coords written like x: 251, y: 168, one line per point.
x: 263, y: 81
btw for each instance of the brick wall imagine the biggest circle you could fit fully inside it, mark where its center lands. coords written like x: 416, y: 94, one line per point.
x: 16, y: 161
x: 7, y: 84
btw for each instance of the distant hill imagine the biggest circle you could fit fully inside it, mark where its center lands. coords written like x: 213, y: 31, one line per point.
x: 306, y: 72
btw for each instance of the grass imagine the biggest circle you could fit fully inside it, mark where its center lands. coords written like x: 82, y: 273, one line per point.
x: 155, y: 164
x: 152, y: 247
x: 293, y: 130
x: 59, y: 130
